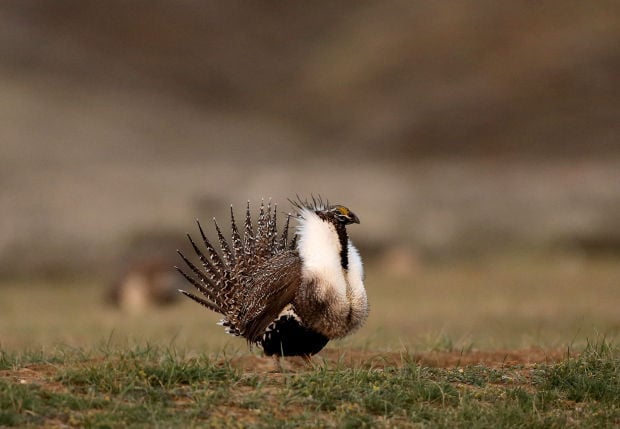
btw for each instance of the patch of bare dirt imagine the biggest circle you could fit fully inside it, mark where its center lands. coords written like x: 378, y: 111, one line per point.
x: 37, y: 374
x: 373, y: 359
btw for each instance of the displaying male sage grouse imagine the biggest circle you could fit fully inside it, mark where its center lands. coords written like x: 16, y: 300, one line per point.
x: 290, y: 297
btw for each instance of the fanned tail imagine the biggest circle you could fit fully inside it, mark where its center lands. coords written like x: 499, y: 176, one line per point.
x: 224, y: 276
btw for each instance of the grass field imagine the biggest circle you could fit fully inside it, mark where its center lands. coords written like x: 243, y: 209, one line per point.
x: 153, y: 387
x: 510, y: 342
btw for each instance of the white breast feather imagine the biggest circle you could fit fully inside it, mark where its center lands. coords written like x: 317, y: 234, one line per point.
x: 355, y: 276
x: 319, y: 249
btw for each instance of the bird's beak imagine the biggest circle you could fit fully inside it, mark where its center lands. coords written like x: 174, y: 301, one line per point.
x: 353, y: 218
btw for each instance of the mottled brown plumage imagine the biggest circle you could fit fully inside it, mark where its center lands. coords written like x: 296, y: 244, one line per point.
x: 249, y: 281
x: 268, y: 289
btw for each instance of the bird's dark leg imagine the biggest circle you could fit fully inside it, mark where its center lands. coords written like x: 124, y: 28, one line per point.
x: 278, y: 363
x: 308, y: 361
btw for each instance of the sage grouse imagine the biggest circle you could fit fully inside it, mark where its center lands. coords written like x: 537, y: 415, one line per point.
x: 289, y: 297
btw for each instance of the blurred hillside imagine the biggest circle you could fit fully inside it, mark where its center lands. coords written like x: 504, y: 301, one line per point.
x: 451, y: 128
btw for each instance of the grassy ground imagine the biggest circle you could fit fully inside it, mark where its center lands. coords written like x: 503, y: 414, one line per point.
x: 153, y: 387
x: 501, y: 343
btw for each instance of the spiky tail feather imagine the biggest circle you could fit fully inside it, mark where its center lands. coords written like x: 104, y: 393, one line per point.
x: 225, y: 277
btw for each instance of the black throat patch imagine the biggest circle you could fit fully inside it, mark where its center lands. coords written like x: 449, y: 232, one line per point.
x: 343, y: 238
x: 344, y: 245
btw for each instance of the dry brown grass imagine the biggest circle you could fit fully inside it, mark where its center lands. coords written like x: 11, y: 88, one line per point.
x: 499, y: 304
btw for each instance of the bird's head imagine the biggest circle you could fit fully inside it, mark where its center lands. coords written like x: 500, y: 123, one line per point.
x: 332, y: 213
x: 338, y: 215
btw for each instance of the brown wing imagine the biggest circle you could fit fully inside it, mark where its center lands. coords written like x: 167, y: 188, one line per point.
x: 274, y: 286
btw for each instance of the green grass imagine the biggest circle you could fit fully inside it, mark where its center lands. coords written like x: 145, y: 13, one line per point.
x: 153, y: 387
x: 66, y: 359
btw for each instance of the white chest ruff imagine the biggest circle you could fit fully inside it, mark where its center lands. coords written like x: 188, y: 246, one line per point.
x: 341, y: 291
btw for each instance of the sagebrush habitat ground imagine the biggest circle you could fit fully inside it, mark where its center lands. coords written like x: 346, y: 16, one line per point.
x: 152, y: 387
x: 508, y: 343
